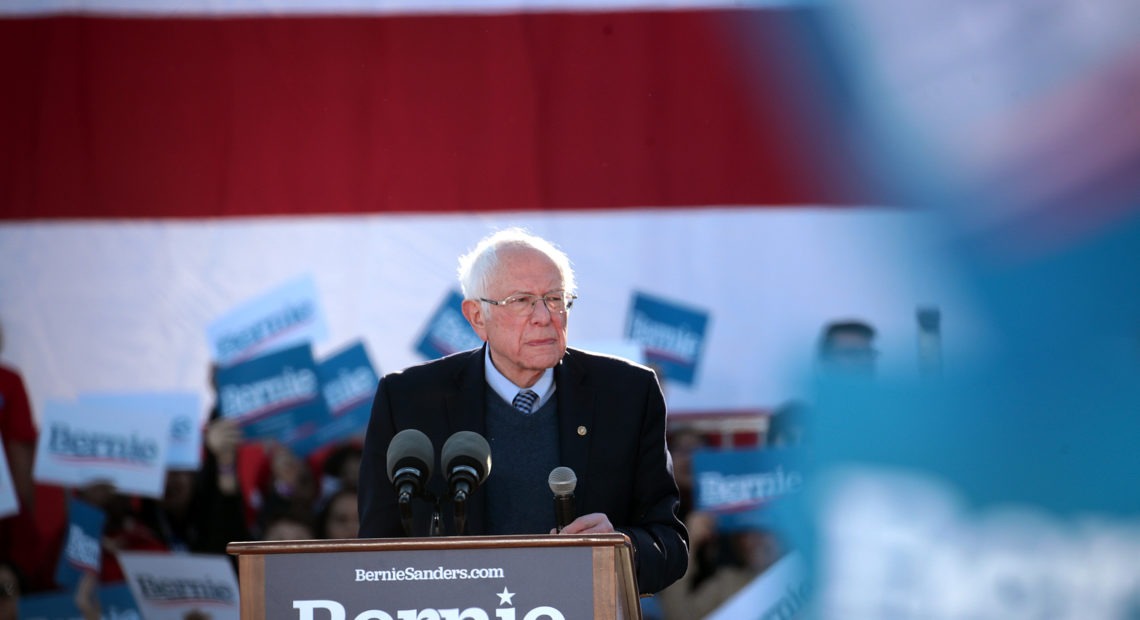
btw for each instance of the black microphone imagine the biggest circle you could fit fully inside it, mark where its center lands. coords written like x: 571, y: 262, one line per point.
x: 410, y: 455
x: 466, y: 460
x: 562, y: 482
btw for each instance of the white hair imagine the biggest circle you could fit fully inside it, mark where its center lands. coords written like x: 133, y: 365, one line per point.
x: 478, y: 266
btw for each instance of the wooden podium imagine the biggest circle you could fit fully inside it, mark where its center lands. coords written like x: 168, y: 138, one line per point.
x: 554, y: 577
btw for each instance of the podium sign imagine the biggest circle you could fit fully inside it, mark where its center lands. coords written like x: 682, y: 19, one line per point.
x: 462, y: 578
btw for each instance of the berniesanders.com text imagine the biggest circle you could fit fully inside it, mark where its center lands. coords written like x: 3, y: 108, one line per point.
x: 429, y: 574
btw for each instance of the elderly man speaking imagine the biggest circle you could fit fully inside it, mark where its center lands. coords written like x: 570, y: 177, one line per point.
x: 540, y: 405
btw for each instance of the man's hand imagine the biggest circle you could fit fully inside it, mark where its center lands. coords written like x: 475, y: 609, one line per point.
x: 593, y: 523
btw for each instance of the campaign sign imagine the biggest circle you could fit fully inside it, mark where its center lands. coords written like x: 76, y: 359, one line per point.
x: 9, y: 503
x: 671, y: 334
x: 739, y: 485
x: 278, y: 319
x: 276, y: 396
x: 115, y: 602
x: 348, y: 382
x: 80, y: 444
x: 81, y: 550
x: 184, y: 409
x: 448, y: 331
x: 782, y: 591
x: 168, y: 586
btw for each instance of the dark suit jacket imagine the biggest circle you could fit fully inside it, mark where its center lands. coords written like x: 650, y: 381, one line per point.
x: 611, y: 425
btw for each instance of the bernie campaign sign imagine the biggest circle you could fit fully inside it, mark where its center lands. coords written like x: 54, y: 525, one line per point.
x: 348, y: 382
x: 281, y: 318
x: 739, y: 485
x: 447, y: 331
x: 671, y: 334
x: 276, y: 396
x: 82, y: 552
x: 185, y: 409
x: 81, y: 444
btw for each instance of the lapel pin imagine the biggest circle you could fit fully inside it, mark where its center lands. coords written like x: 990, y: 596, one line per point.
x: 581, y: 431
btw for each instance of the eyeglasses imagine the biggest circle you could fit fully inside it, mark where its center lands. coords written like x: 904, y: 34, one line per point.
x: 524, y: 303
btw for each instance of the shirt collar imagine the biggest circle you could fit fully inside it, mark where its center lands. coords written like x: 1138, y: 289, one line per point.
x: 507, y: 390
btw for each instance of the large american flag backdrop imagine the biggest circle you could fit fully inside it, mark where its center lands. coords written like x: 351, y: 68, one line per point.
x: 163, y: 163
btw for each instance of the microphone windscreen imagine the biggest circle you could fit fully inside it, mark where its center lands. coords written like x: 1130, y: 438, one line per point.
x: 467, y: 448
x: 562, y: 480
x: 410, y: 447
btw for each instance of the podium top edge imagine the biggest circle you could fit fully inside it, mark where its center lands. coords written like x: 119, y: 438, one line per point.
x: 260, y: 547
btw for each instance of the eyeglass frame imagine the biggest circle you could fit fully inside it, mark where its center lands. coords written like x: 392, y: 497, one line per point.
x: 568, y: 299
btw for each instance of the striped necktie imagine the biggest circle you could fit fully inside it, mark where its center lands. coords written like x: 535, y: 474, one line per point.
x: 524, y: 400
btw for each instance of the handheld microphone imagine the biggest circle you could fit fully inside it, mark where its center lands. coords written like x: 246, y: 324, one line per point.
x: 466, y: 459
x: 562, y: 482
x: 410, y: 455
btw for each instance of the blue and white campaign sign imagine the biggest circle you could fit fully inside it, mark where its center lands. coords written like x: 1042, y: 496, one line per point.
x: 673, y: 335
x: 739, y: 485
x: 115, y: 601
x: 184, y: 409
x: 82, y: 552
x: 782, y: 591
x: 275, y: 396
x: 169, y: 586
x: 9, y: 502
x: 283, y: 317
x: 348, y: 382
x: 448, y: 331
x: 82, y: 444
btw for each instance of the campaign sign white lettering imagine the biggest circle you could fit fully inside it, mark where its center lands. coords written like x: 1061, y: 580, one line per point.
x: 447, y: 331
x: 9, y: 503
x: 529, y: 583
x: 82, y: 552
x: 348, y: 382
x: 184, y: 409
x: 81, y: 444
x: 673, y: 335
x: 169, y: 586
x: 739, y: 485
x: 275, y: 396
x: 283, y: 317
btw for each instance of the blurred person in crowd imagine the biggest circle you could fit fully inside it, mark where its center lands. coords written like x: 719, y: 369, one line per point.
x: 287, y: 484
x: 786, y: 426
x: 19, y: 536
x: 539, y: 404
x: 740, y: 557
x: 288, y: 523
x: 202, y: 511
x: 847, y: 348
x: 338, y: 518
x: 340, y: 469
x: 682, y: 443
x: 11, y: 589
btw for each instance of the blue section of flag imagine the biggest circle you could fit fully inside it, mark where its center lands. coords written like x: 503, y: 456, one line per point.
x: 673, y: 335
x: 447, y: 331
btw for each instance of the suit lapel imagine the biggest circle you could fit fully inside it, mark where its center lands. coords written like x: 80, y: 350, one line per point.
x: 576, y: 406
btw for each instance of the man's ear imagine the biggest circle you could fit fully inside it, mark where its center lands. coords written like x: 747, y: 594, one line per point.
x: 473, y: 312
